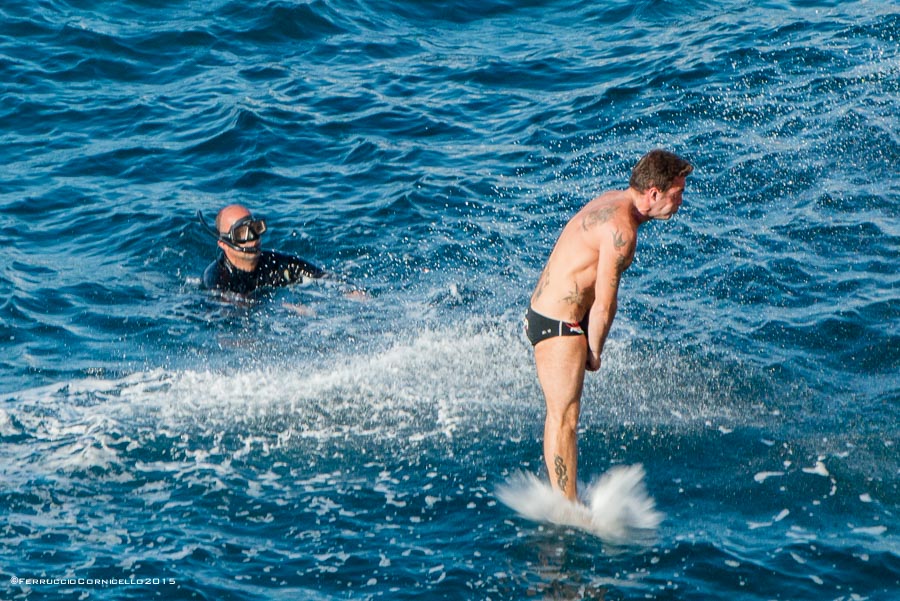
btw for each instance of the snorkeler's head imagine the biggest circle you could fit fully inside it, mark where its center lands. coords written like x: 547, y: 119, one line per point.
x: 237, y: 229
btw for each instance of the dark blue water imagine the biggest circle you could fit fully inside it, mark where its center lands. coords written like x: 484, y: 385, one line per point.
x: 158, y: 442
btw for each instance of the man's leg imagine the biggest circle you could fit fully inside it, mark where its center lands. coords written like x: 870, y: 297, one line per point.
x: 560, y: 368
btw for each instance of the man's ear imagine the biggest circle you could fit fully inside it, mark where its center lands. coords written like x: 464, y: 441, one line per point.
x: 221, y: 245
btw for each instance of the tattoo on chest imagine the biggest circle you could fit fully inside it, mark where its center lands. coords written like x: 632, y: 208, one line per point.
x: 600, y: 215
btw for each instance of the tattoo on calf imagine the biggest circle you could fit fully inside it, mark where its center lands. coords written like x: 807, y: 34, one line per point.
x: 562, y: 474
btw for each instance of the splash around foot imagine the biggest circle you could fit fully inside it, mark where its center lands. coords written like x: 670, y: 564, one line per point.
x: 616, y: 507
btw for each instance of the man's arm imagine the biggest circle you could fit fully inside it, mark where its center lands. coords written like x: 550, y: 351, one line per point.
x: 294, y: 269
x: 302, y: 271
x: 616, y: 250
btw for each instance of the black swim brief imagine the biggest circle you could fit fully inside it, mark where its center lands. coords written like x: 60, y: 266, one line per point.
x: 539, y: 327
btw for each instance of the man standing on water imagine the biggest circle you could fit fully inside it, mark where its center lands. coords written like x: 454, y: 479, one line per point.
x: 574, y: 302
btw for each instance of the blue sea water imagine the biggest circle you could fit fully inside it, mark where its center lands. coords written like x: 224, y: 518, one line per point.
x: 159, y: 442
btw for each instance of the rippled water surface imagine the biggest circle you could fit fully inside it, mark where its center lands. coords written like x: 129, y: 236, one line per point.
x: 159, y: 442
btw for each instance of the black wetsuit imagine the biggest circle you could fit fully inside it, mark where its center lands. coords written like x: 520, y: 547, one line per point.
x: 273, y: 269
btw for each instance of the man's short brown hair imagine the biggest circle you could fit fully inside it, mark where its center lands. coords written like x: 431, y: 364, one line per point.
x: 658, y: 168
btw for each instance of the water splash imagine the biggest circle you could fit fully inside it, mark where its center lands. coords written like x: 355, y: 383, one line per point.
x: 616, y: 507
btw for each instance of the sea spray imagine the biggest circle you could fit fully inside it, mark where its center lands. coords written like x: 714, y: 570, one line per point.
x: 616, y: 507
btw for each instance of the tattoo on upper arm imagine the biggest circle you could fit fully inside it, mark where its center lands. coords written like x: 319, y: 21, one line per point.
x: 621, y: 266
x: 621, y: 259
x: 562, y: 473
x: 600, y: 215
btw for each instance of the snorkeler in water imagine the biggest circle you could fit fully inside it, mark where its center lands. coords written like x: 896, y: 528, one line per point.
x: 243, y: 266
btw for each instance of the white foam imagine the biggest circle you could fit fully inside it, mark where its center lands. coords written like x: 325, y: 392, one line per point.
x: 7, y: 428
x: 617, y: 507
x: 762, y: 476
x: 818, y: 469
x: 871, y: 530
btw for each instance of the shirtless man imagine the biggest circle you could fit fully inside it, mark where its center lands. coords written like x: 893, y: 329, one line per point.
x: 574, y: 302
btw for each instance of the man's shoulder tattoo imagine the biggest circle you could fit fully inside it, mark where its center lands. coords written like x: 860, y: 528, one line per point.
x: 595, y: 216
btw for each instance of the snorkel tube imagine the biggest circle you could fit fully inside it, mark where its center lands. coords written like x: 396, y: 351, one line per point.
x: 215, y: 233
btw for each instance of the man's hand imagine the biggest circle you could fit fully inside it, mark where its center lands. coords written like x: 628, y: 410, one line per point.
x: 593, y: 361
x: 301, y: 310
